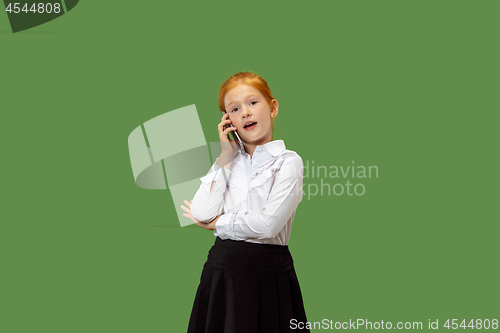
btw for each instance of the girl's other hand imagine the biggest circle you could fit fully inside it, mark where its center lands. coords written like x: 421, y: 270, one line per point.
x: 208, y: 226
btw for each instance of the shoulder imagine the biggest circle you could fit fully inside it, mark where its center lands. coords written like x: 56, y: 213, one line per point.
x: 289, y: 164
x: 290, y: 157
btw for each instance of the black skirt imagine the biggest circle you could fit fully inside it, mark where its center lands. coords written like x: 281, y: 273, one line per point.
x: 247, y: 288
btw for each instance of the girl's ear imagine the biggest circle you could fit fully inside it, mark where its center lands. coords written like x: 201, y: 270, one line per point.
x: 275, y: 107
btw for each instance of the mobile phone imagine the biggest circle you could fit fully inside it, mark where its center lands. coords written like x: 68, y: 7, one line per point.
x: 242, y: 148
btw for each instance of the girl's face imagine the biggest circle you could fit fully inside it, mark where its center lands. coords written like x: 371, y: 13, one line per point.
x: 246, y: 105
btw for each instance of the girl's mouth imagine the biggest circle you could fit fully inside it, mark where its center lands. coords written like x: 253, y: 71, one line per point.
x: 250, y: 126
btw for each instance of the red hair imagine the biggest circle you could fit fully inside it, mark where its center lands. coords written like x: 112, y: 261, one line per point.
x: 250, y: 79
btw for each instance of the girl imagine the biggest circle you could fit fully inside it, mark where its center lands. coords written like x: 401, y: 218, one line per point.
x: 248, y: 283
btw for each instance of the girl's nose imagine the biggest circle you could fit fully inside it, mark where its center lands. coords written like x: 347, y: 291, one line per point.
x: 246, y: 112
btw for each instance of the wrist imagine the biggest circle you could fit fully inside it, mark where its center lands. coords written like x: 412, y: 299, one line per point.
x: 224, y: 161
x: 214, y: 221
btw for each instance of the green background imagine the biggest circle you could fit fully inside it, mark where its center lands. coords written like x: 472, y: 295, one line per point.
x: 408, y: 86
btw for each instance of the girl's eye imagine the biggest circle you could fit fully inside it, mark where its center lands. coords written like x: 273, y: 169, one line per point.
x: 233, y: 110
x: 253, y: 102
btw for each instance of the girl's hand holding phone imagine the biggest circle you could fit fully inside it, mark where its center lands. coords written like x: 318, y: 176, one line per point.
x: 229, y: 147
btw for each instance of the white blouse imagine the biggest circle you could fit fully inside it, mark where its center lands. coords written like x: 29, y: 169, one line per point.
x: 256, y: 197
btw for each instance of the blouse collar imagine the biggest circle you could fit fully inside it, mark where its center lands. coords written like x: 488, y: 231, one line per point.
x: 265, y: 153
x: 274, y: 147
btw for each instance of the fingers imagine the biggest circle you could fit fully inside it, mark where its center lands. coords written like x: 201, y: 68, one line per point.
x: 225, y: 117
x: 187, y: 210
x: 223, y: 134
x: 223, y: 124
x: 225, y: 120
x: 224, y: 130
x: 229, y: 129
x: 190, y: 216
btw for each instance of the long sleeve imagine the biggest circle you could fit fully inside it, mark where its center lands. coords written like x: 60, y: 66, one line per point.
x: 286, y: 193
x: 207, y: 205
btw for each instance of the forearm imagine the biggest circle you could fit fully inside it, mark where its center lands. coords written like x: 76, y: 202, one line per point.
x: 260, y: 225
x: 209, y: 199
x: 269, y: 220
x: 222, y: 162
